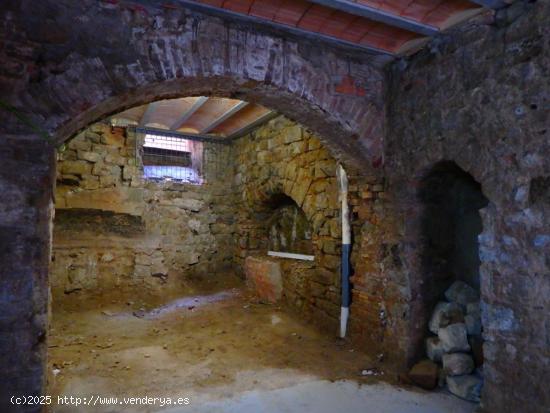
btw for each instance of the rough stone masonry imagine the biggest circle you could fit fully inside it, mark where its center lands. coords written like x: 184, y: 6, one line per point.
x: 113, y: 228
x: 282, y: 159
x: 480, y: 98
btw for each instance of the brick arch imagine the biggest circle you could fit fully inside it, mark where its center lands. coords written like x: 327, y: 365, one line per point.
x: 69, y: 64
x: 263, y: 201
x: 134, y: 55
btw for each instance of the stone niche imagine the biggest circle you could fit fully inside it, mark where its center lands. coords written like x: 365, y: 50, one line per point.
x: 289, y: 203
x: 450, y: 226
x: 288, y: 227
x: 115, y: 229
x: 285, y: 229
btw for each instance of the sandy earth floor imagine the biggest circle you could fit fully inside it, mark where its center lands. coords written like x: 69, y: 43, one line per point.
x: 218, y: 347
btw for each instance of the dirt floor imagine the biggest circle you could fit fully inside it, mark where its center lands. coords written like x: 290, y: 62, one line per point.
x: 211, y: 348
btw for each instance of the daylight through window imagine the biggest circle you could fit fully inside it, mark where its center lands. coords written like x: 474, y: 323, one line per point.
x: 172, y: 158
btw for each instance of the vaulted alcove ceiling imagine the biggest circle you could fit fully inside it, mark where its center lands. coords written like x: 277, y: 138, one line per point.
x: 208, y: 116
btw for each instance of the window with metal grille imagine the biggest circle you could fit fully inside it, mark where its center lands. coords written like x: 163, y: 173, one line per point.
x: 172, y: 158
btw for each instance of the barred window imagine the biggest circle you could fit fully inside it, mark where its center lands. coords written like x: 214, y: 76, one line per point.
x: 172, y: 158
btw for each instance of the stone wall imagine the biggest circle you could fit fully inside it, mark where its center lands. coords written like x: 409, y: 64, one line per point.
x: 145, y: 233
x: 282, y: 159
x: 26, y: 179
x: 479, y: 97
x: 57, y: 79
x: 113, y: 228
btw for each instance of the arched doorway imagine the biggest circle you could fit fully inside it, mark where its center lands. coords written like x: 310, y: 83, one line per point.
x: 168, y: 53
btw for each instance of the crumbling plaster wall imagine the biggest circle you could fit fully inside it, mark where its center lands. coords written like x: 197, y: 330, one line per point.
x: 113, y: 228
x: 479, y: 96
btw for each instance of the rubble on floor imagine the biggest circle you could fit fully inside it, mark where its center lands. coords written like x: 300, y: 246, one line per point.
x: 454, y: 356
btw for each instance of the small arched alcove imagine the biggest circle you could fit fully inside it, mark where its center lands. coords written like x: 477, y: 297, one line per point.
x: 280, y: 251
x: 288, y: 229
x: 450, y: 224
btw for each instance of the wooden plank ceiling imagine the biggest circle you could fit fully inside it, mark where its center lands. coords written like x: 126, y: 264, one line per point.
x: 213, y: 117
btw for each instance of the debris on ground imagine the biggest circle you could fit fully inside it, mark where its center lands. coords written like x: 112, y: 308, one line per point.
x: 373, y: 371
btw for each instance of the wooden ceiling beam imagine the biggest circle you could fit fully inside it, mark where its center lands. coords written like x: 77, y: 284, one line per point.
x: 226, y: 115
x: 281, y: 28
x: 183, y: 135
x: 148, y: 114
x: 266, y: 117
x: 188, y: 113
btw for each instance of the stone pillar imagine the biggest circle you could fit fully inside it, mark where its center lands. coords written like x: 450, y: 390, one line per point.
x: 26, y: 182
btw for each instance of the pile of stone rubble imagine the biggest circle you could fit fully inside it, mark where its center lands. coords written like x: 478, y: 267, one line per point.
x: 454, y: 349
